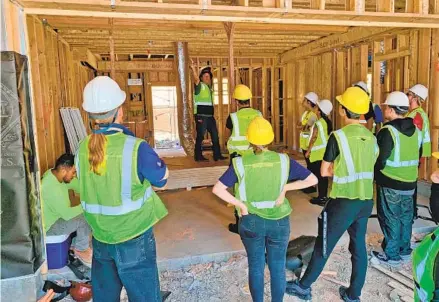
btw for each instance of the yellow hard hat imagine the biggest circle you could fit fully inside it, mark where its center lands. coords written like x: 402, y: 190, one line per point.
x: 260, y: 132
x: 355, y: 100
x: 435, y: 154
x: 242, y: 93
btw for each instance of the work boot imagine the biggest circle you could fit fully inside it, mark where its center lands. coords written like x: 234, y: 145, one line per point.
x: 233, y: 228
x: 201, y: 158
x: 320, y: 201
x: 84, y: 256
x: 382, y: 258
x: 220, y: 158
x: 294, y: 289
x: 344, y: 295
x: 309, y: 190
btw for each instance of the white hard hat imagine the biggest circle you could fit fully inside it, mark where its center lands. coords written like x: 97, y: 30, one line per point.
x: 362, y: 85
x: 397, y: 98
x: 312, y: 97
x: 325, y: 106
x: 420, y: 90
x: 102, y: 94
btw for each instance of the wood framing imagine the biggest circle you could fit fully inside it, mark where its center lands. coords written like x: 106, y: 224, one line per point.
x: 166, y: 65
x: 83, y: 54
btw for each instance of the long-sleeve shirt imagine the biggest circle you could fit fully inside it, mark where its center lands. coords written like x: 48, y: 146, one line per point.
x: 56, y: 200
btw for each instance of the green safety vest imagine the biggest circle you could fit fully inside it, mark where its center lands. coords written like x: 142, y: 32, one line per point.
x: 426, y: 141
x: 403, y: 163
x: 117, y: 206
x: 319, y: 147
x: 304, y: 135
x: 204, y: 97
x: 354, y: 167
x: 238, y: 140
x: 261, y: 179
x: 424, y: 257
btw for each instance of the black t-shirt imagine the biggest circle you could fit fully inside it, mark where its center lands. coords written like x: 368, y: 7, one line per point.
x: 370, y: 114
x: 229, y: 123
x: 332, y: 150
x: 202, y: 109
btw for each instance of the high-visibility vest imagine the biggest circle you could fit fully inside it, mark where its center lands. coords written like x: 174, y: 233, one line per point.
x: 261, y: 179
x: 304, y: 135
x: 424, y: 257
x: 117, y: 206
x: 403, y: 162
x: 354, y: 167
x: 426, y: 141
x: 204, y: 97
x: 238, y: 142
x: 319, y: 147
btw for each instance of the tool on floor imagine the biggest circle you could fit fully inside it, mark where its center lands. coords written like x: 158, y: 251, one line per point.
x: 299, y: 252
x: 79, y: 291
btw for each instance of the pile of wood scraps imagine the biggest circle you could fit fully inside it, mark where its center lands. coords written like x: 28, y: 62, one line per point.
x: 402, y: 284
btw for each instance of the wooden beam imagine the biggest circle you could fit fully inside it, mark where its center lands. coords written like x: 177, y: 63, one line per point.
x: 137, y: 66
x: 112, y: 58
x: 219, y: 78
x: 417, y: 6
x: 242, y: 2
x: 358, y: 6
x: 376, y: 74
x: 393, y: 54
x: 84, y: 55
x: 387, y: 6
x: 317, y: 4
x: 300, y: 93
x: 264, y: 89
x: 229, y: 27
x: 250, y: 84
x: 354, y: 35
x: 434, y: 98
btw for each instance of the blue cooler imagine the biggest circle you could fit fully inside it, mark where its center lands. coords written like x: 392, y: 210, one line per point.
x: 57, y: 249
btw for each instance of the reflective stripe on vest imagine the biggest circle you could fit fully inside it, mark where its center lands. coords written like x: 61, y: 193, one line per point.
x: 420, y: 270
x: 237, y: 137
x: 352, y: 175
x: 269, y: 204
x: 128, y: 205
x: 322, y: 136
x: 396, y: 163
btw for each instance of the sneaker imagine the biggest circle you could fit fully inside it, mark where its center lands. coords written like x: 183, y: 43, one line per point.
x: 406, y: 258
x: 294, y: 289
x: 84, y: 256
x: 320, y: 201
x: 382, y: 258
x: 344, y: 295
x: 233, y: 228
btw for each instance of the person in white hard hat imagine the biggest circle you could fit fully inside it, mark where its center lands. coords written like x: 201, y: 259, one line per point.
x: 306, y: 122
x: 396, y: 174
x: 321, y: 130
x: 117, y: 173
x: 417, y: 95
x: 374, y: 117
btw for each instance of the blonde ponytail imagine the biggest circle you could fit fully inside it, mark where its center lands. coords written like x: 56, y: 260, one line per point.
x: 97, y: 146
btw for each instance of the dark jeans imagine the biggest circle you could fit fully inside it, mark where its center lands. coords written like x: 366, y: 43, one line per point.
x: 203, y: 124
x: 434, y: 201
x: 131, y: 264
x: 322, y: 185
x: 395, y: 213
x: 342, y: 215
x: 261, y: 235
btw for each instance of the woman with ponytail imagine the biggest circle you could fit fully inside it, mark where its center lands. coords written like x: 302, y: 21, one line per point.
x: 261, y: 182
x: 117, y: 172
x: 317, y: 146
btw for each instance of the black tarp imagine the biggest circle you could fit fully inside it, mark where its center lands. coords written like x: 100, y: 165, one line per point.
x: 21, y: 229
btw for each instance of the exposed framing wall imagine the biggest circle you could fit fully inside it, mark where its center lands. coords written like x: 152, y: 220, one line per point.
x: 57, y: 81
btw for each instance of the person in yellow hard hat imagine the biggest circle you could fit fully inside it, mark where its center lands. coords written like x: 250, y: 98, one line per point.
x: 261, y: 180
x: 238, y: 123
x: 349, y: 158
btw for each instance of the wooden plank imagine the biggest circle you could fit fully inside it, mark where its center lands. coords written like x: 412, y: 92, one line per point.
x: 290, y: 114
x: 396, y: 277
x: 334, y: 41
x: 84, y: 54
x: 137, y: 66
x: 229, y: 27
x: 417, y: 6
x: 242, y: 2
x: 300, y: 93
x: 393, y: 54
x: 388, y: 78
x: 364, y: 61
x: 112, y: 53
x: 250, y: 85
x: 376, y: 75
x: 275, y: 104
x: 354, y: 67
x: 264, y: 90
x: 402, y: 289
x: 434, y: 98
x: 340, y: 84
x: 326, y: 90
x: 317, y: 4
x: 413, y: 61
x: 272, y: 104
x: 284, y: 105
x: 434, y: 7
x: 358, y: 6
x: 386, y: 6
x: 219, y: 77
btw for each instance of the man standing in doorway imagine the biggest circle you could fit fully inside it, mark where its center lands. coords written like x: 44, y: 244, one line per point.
x: 418, y: 94
x: 396, y: 175
x: 203, y: 110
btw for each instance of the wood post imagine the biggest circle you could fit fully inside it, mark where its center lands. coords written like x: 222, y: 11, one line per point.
x: 434, y: 98
x: 219, y: 77
x: 230, y: 28
x: 112, y: 56
x: 376, y: 74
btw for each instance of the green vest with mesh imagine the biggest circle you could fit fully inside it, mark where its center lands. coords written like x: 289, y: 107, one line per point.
x: 117, y: 206
x: 261, y: 178
x: 319, y: 147
x: 238, y: 142
x: 204, y: 97
x: 424, y: 257
x: 403, y: 162
x: 426, y: 140
x: 304, y: 135
x: 354, y: 167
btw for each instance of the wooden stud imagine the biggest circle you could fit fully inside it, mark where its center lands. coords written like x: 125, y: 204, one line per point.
x: 376, y: 74
x: 364, y: 58
x: 264, y: 90
x: 272, y: 102
x: 284, y: 104
x: 242, y: 2
x: 340, y: 83
x: 413, y: 59
x: 317, y: 4
x: 229, y: 27
x: 220, y: 104
x: 417, y: 6
x: 434, y: 7
x: 112, y: 58
x: 290, y: 112
x: 387, y: 6
x: 358, y: 6
x: 433, y: 98
x: 250, y: 85
x: 300, y: 93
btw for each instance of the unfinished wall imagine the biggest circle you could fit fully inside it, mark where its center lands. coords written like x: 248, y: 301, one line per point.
x: 409, y: 57
x: 57, y: 81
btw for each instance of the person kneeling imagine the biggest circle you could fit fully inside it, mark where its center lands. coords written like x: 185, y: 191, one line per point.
x: 59, y: 217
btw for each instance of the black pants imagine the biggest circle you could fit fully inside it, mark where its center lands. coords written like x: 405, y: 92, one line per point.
x: 322, y: 185
x: 434, y: 201
x: 203, y: 124
x: 306, y: 159
x: 232, y: 156
x: 342, y: 215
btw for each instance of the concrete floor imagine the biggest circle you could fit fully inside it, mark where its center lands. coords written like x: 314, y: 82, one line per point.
x: 196, y: 228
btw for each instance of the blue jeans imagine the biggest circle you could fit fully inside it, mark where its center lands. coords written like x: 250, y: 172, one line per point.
x: 131, y: 264
x: 395, y: 213
x: 261, y: 235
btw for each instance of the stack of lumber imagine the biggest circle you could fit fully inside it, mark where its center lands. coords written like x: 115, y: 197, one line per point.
x: 402, y: 284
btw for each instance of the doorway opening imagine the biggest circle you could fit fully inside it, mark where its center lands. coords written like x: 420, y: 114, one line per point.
x: 165, y: 116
